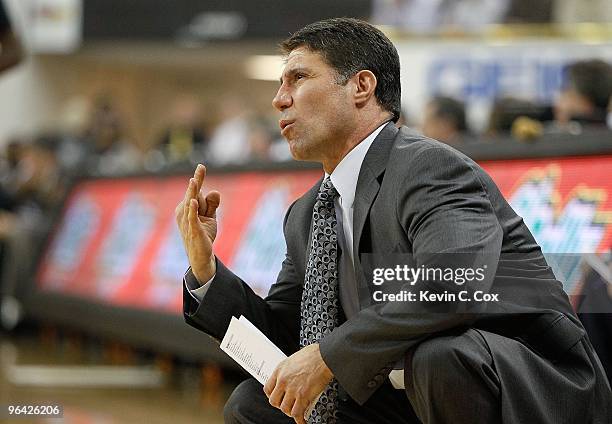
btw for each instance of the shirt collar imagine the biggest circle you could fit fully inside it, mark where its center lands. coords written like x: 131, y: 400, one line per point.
x: 345, y: 175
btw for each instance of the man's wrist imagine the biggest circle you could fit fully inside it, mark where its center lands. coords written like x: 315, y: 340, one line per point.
x: 325, y: 370
x: 206, y: 275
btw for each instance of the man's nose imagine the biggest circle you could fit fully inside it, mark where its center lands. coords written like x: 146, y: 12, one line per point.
x: 282, y: 100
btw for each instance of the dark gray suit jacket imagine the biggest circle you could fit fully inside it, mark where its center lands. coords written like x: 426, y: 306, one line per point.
x: 421, y: 197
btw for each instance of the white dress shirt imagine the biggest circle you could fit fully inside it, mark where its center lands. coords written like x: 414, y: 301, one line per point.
x: 344, y: 178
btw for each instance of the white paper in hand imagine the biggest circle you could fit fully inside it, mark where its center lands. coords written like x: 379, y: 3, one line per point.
x: 251, y: 349
x: 254, y: 352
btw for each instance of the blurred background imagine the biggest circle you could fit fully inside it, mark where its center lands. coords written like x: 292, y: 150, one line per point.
x: 106, y: 106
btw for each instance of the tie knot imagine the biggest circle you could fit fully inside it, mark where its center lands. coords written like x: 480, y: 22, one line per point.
x: 327, y: 191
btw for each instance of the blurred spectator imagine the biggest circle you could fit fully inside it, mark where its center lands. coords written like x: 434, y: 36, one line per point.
x: 259, y: 139
x: 37, y: 181
x: 506, y: 110
x: 72, y: 127
x: 91, y: 139
x: 444, y: 120
x: 9, y: 172
x: 229, y: 143
x: 107, y: 151
x: 247, y: 137
x: 184, y: 139
x: 527, y: 129
x: 585, y: 94
x: 36, y: 186
x: 10, y: 49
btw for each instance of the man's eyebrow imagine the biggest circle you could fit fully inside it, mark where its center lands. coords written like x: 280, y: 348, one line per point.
x: 291, y: 72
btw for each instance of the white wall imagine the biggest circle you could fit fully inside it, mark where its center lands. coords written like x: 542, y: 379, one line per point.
x: 26, y: 99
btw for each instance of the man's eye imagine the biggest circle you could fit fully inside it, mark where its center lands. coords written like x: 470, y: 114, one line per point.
x: 299, y: 76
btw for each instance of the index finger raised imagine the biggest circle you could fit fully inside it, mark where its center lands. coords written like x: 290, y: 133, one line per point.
x: 198, y: 176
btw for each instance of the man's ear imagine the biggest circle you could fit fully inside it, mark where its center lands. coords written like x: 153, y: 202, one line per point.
x: 365, y: 83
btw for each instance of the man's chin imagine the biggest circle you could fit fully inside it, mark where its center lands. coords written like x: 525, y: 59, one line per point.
x: 300, y: 152
x: 296, y: 152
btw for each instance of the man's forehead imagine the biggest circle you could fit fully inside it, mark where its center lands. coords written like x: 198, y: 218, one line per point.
x: 302, y: 55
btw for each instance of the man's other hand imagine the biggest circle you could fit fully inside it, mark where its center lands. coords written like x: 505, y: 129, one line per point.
x: 297, y: 381
x: 196, y: 217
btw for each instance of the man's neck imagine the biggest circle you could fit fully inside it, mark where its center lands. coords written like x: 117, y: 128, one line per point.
x: 360, y: 133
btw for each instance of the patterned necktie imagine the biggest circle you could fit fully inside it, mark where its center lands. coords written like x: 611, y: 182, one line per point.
x: 320, y: 299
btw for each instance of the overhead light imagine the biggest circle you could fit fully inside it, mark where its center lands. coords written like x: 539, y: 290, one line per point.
x: 264, y: 67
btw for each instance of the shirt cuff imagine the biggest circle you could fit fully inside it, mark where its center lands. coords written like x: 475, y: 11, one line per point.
x: 193, y: 286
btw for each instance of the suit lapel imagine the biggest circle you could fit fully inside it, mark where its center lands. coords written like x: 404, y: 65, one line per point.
x: 374, y: 165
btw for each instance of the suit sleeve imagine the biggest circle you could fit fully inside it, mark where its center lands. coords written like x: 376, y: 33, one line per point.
x: 443, y: 208
x: 228, y: 295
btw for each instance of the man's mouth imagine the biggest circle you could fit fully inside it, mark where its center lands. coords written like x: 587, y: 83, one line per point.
x: 284, y: 123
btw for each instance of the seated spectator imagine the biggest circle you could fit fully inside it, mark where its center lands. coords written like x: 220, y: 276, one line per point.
x: 585, y: 94
x: 72, y: 127
x: 444, y: 120
x: 506, y: 110
x: 9, y: 172
x: 108, y: 151
x: 184, y: 137
x: 36, y: 187
x: 242, y: 136
x: 229, y: 143
x: 260, y: 139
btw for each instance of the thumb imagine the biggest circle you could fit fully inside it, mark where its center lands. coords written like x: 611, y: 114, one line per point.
x: 213, y: 199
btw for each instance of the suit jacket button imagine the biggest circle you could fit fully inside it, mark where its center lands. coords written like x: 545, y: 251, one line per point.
x: 371, y: 384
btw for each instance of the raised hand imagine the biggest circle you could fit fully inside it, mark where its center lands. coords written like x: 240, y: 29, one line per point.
x: 196, y: 219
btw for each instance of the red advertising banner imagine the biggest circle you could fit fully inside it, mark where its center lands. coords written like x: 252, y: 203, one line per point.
x: 566, y: 203
x: 117, y: 241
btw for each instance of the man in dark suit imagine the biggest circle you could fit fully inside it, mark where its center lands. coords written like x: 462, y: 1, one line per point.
x: 390, y: 198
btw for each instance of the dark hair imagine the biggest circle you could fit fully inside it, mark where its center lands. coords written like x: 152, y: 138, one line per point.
x: 452, y: 110
x: 349, y: 46
x: 592, y: 79
x: 506, y: 110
